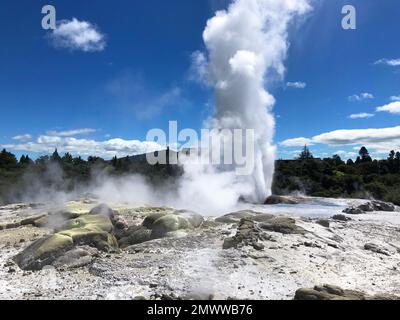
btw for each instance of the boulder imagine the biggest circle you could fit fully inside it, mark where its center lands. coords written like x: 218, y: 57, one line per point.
x: 324, y: 222
x: 247, y: 235
x: 282, y: 225
x: 371, y: 206
x: 98, y: 239
x: 375, y: 248
x: 366, y: 207
x: 93, y: 223
x: 329, y: 292
x: 42, y: 222
x: 383, y: 206
x: 341, y: 217
x: 168, y: 223
x: 236, y: 217
x: 135, y: 235
x: 280, y: 200
x: 231, y: 242
x: 103, y: 210
x: 195, y: 220
x: 353, y: 210
x: 32, y: 220
x: 90, y: 230
x: 43, y: 252
x: 160, y: 225
x: 76, y: 258
x: 262, y: 217
x: 151, y: 218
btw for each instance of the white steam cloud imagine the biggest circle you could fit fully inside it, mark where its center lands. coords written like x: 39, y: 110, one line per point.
x: 247, y: 45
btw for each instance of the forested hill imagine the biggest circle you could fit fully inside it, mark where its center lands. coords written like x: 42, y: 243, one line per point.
x: 330, y: 177
x: 333, y: 177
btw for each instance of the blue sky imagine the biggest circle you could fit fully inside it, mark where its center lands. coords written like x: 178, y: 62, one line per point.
x: 136, y: 75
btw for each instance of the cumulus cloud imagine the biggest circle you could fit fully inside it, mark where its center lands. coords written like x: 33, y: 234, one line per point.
x: 358, y: 136
x: 393, y: 107
x: 379, y: 139
x: 395, y: 98
x: 84, y: 147
x: 23, y: 137
x: 78, y: 35
x: 70, y: 133
x: 296, y: 142
x: 362, y: 115
x: 296, y: 85
x: 361, y: 97
x: 389, y: 62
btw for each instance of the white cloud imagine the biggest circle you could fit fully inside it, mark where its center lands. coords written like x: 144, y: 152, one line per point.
x: 358, y: 136
x: 361, y: 115
x: 70, y: 133
x: 84, y: 147
x: 393, y: 107
x: 296, y: 142
x: 78, y: 35
x: 389, y: 62
x: 381, y: 140
x: 296, y: 85
x: 361, y: 97
x: 23, y: 137
x: 199, y: 68
x: 395, y: 98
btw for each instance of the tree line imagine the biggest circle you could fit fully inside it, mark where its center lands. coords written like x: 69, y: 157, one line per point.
x: 330, y: 177
x: 333, y: 177
x: 67, y: 173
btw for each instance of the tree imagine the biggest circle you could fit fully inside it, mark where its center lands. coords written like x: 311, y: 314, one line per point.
x: 114, y: 161
x: 55, y: 156
x: 337, y: 161
x: 392, y: 155
x: 392, y: 162
x: 364, y: 155
x: 305, y: 154
x: 25, y: 160
x: 67, y: 158
x: 7, y: 160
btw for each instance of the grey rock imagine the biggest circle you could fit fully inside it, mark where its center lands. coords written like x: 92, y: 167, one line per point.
x: 324, y: 222
x: 103, y: 209
x: 341, y: 217
x: 375, y: 248
x: 330, y: 292
x: 353, y: 210
x: 135, y: 235
x: 76, y: 258
x: 282, y: 225
x: 280, y: 200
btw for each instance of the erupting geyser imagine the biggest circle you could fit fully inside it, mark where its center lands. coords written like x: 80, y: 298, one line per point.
x: 247, y: 45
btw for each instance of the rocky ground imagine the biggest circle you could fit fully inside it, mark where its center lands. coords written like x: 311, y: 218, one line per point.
x: 86, y: 250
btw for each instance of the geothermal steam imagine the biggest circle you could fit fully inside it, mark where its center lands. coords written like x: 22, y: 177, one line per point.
x: 247, y: 45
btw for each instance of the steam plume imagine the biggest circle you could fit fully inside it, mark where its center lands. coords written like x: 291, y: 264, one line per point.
x: 247, y: 45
